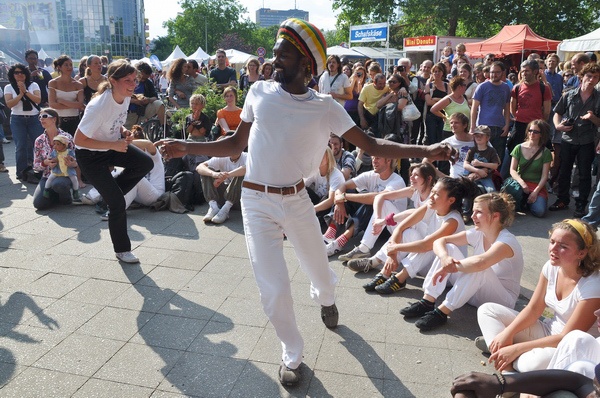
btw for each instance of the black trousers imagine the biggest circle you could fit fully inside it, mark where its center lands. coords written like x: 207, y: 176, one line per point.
x: 95, y: 165
x: 585, y: 157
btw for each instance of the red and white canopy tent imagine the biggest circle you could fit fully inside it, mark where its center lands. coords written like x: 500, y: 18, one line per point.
x: 512, y: 39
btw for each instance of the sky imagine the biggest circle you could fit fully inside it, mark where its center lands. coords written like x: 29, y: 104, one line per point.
x: 320, y: 12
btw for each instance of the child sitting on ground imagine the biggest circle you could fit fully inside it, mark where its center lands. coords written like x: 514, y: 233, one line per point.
x: 63, y: 156
x: 482, y: 160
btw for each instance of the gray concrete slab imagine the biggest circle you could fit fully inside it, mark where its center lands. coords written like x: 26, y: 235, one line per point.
x: 187, y: 321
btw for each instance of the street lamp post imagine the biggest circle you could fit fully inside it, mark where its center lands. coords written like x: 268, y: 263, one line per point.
x: 205, y: 34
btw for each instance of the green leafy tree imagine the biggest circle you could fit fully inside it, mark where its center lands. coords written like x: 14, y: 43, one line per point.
x: 215, y: 17
x: 162, y: 47
x: 554, y: 19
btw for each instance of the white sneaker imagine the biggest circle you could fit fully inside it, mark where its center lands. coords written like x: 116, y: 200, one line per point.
x: 210, y: 215
x: 5, y: 141
x: 221, y: 216
x: 127, y: 257
x: 333, y: 248
x: 104, y: 217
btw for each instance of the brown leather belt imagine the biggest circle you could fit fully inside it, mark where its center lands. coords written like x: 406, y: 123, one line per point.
x: 278, y: 190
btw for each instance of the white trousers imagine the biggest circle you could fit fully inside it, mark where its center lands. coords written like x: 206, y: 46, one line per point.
x: 474, y: 288
x: 414, y: 263
x: 494, y: 318
x: 144, y: 193
x: 266, y: 218
x: 369, y: 238
x: 578, y: 352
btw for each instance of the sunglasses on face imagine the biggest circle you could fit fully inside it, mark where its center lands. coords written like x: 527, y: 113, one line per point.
x: 45, y: 116
x: 18, y: 72
x: 393, y: 81
x: 534, y: 131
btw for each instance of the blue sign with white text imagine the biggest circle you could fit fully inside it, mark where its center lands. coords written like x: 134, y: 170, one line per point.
x: 372, y: 32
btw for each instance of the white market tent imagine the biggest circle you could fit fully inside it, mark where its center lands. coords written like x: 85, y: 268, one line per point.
x: 236, y: 57
x: 177, y: 53
x: 43, y: 54
x: 343, y: 52
x: 200, y: 55
x: 588, y: 42
x: 134, y: 62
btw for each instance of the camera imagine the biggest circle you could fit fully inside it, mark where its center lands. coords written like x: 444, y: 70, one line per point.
x: 400, y: 68
x: 569, y: 122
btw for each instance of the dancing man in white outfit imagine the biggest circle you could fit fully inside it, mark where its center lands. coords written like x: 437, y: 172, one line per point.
x: 286, y: 127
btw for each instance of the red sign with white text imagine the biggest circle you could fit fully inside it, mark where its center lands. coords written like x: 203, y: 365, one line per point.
x: 420, y: 41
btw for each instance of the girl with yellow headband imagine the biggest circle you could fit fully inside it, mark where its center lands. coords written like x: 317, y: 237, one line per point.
x: 569, y: 285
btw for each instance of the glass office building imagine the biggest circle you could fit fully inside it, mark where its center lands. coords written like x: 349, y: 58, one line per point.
x: 79, y: 27
x: 265, y: 17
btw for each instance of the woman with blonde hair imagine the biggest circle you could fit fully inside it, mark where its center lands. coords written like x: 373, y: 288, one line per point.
x: 491, y: 274
x: 92, y: 77
x: 569, y: 285
x: 322, y: 184
x: 250, y: 75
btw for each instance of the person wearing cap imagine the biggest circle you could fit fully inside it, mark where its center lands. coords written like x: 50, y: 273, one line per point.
x: 62, y: 155
x: 482, y: 160
x: 286, y: 128
x: 569, y: 285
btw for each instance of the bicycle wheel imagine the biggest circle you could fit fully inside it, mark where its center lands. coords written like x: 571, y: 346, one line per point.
x: 153, y: 130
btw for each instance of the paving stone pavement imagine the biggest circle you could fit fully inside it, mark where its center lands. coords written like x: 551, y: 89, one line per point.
x: 187, y: 320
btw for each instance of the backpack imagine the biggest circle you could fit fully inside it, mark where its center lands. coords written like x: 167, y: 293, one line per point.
x: 542, y: 90
x: 389, y: 120
x: 182, y: 186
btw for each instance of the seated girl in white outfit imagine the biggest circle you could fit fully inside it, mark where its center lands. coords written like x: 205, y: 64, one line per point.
x: 412, y: 247
x: 492, y: 273
x: 577, y: 352
x: 422, y: 179
x: 569, y: 285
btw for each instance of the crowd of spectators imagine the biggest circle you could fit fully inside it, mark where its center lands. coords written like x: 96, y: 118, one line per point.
x: 518, y: 138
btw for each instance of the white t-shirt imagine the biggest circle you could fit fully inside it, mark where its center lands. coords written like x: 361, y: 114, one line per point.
x: 508, y: 270
x: 371, y: 182
x: 321, y: 186
x: 103, y: 119
x: 423, y: 225
x: 18, y: 109
x: 339, y: 84
x: 288, y: 132
x: 586, y: 288
x: 436, y: 221
x: 156, y: 176
x: 470, y: 91
x: 462, y: 147
x: 226, y: 165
